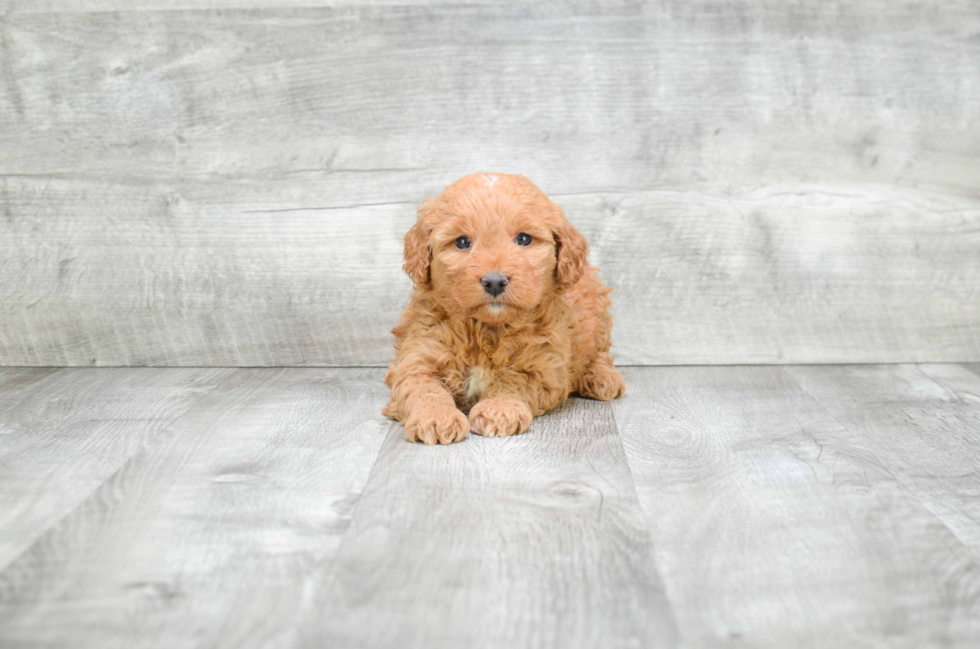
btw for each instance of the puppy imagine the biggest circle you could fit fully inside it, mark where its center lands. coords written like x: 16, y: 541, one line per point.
x: 507, y: 317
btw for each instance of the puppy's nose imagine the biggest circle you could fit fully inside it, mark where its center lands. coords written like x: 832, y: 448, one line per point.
x: 494, y: 283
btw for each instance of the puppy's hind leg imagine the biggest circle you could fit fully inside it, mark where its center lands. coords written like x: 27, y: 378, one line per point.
x: 602, y: 380
x: 391, y: 410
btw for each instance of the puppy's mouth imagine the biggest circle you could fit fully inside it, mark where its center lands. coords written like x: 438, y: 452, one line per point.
x: 498, y: 307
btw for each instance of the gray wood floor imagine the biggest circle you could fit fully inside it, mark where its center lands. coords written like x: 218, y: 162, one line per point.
x: 713, y: 506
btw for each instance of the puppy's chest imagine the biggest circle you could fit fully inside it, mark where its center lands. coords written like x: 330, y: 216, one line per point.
x: 475, y: 382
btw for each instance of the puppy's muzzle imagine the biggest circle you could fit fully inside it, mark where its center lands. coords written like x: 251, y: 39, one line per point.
x: 494, y: 283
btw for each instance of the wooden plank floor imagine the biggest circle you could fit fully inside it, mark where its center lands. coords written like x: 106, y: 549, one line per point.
x: 713, y: 506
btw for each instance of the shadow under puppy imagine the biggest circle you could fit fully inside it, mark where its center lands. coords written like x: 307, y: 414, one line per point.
x: 507, y: 318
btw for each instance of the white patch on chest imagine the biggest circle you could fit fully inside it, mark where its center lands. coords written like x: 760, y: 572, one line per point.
x: 477, y: 383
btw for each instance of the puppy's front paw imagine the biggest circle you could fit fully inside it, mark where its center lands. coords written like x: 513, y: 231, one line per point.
x: 500, y: 417
x: 436, y: 425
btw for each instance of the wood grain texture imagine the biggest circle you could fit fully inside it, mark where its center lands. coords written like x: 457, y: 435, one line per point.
x: 210, y: 279
x: 860, y: 9
x: 776, y: 526
x: 63, y: 433
x: 84, y: 6
x: 923, y: 422
x: 229, y: 187
x: 206, y: 538
x: 533, y: 541
x: 381, y: 102
x: 15, y: 380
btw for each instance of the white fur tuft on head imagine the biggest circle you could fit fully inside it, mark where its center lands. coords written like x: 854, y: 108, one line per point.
x: 491, y: 179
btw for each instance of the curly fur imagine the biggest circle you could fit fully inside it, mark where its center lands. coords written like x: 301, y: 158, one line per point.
x: 505, y: 359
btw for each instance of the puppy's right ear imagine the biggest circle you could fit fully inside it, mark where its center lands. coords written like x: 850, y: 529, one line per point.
x: 418, y: 256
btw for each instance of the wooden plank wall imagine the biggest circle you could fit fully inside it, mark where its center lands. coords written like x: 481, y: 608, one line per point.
x: 761, y: 181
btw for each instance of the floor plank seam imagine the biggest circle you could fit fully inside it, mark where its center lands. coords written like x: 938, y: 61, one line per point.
x: 907, y: 489
x: 951, y: 390
x: 329, y: 568
x: 669, y: 597
x: 112, y: 476
x: 971, y: 366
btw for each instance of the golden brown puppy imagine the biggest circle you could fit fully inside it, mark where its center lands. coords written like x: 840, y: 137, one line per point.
x: 507, y: 317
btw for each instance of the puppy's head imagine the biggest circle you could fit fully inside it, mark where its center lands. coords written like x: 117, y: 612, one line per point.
x: 492, y: 247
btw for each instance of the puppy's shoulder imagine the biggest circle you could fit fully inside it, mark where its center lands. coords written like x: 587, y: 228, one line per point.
x: 422, y: 317
x: 589, y: 293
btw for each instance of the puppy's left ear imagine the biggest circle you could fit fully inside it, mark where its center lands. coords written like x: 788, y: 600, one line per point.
x: 573, y: 251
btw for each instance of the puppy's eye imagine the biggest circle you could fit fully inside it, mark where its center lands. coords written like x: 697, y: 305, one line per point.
x: 523, y: 239
x: 463, y: 242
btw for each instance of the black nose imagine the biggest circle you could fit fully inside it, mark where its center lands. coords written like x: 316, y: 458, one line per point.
x: 494, y: 283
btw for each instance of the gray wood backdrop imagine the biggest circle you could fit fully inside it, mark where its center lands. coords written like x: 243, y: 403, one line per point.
x: 226, y: 182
